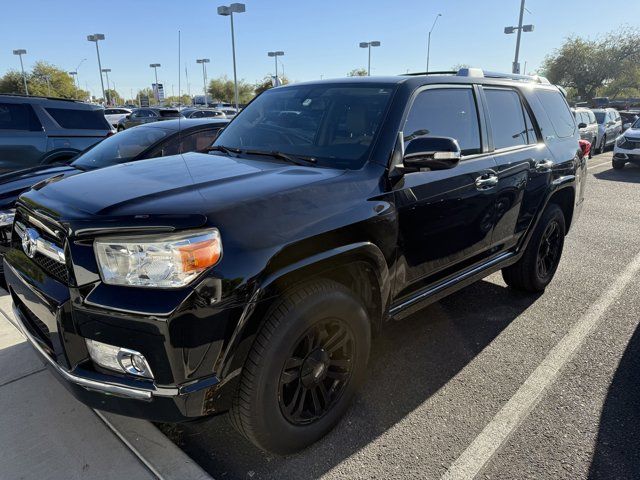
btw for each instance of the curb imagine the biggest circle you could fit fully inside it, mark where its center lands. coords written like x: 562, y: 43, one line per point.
x: 159, y: 454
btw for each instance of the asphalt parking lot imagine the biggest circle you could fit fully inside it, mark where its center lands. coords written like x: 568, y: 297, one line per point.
x: 491, y: 381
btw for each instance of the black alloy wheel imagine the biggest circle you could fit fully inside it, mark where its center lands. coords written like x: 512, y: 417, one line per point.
x: 317, y: 372
x: 549, y: 250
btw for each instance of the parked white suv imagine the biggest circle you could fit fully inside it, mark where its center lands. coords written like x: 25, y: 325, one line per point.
x: 627, y: 147
x: 114, y: 115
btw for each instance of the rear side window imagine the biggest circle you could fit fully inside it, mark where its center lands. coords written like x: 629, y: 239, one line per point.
x: 18, y: 116
x: 507, y: 118
x: 445, y: 112
x: 79, y: 119
x: 169, y: 113
x: 558, y: 112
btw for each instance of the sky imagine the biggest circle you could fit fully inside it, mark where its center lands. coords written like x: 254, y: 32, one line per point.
x: 319, y: 37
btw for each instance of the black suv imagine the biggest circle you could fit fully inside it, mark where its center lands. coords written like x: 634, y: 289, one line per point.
x: 252, y: 278
x: 42, y: 131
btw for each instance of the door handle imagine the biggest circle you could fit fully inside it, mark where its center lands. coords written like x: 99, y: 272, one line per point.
x: 487, y: 181
x: 543, y: 165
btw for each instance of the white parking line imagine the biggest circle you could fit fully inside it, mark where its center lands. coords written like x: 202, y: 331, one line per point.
x: 471, y: 462
x: 599, y: 165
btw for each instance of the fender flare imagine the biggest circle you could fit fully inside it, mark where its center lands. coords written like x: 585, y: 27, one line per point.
x: 234, y: 355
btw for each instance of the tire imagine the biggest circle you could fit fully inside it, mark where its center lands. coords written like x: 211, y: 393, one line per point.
x: 275, y: 372
x: 618, y: 164
x: 527, y: 274
x: 603, y: 144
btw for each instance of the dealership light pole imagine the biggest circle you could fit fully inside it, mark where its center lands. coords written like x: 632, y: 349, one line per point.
x: 204, y: 61
x: 96, y: 37
x: 106, y: 72
x: 228, y: 12
x: 19, y: 53
x: 74, y: 75
x: 369, y: 45
x: 155, y: 69
x: 520, y: 28
x: 275, y: 55
x: 429, y: 40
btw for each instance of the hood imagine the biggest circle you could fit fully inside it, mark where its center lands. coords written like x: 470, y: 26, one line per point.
x: 13, y: 184
x: 632, y: 134
x: 193, y: 183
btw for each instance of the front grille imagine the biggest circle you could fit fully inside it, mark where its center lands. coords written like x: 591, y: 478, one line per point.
x: 53, y: 268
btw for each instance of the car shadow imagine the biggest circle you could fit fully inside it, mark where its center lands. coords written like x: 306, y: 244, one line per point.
x: 616, y: 454
x: 630, y: 174
x: 411, y: 360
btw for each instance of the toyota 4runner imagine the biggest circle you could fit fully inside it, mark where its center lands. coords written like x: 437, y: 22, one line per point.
x: 252, y: 278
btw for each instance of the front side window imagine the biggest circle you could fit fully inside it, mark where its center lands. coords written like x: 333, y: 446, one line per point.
x: 558, y: 112
x: 445, y: 112
x: 334, y: 123
x: 120, y: 148
x: 507, y: 118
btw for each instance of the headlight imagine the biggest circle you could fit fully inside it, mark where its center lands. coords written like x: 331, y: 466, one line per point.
x: 6, y: 217
x: 163, y: 261
x: 621, y: 141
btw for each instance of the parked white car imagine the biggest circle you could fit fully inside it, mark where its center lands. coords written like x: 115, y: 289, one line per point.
x: 627, y: 147
x: 114, y: 115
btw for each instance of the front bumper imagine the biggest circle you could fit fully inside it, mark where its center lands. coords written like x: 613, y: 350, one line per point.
x: 628, y: 155
x: 42, y: 307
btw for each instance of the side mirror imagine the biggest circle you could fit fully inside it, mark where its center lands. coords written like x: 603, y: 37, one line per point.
x: 434, y: 153
x: 582, y: 125
x: 128, y: 117
x: 626, y: 125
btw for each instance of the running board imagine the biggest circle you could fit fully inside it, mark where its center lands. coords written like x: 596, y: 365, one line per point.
x: 434, y: 293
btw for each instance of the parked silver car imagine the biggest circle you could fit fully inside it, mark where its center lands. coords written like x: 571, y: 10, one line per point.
x: 588, y: 126
x: 609, y: 127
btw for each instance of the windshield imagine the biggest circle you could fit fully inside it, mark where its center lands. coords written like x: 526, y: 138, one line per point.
x: 600, y: 116
x: 636, y: 124
x: 120, y: 148
x: 332, y: 123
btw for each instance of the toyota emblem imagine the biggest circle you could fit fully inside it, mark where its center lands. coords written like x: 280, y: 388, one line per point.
x: 30, y: 242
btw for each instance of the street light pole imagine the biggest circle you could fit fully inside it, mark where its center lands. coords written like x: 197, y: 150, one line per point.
x: 204, y: 61
x: 96, y: 37
x: 520, y: 28
x: 429, y: 40
x: 106, y: 72
x: 228, y: 11
x: 48, y: 80
x: 21, y: 52
x: 275, y: 56
x: 369, y: 45
x: 155, y: 69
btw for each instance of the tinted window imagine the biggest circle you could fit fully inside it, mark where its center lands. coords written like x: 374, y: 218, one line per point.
x: 144, y: 113
x: 120, y: 148
x: 445, y: 112
x: 592, y: 117
x: 109, y: 111
x: 79, y: 119
x: 558, y: 112
x: 194, y: 142
x: 16, y: 116
x: 600, y: 116
x: 334, y: 123
x: 507, y: 118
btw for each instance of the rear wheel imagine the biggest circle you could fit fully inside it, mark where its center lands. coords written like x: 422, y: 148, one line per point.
x: 538, y: 264
x: 306, y: 364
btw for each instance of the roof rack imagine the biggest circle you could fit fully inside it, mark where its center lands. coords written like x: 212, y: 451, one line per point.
x: 479, y: 73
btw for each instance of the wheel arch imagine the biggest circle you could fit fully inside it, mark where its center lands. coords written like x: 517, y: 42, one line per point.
x: 361, y: 267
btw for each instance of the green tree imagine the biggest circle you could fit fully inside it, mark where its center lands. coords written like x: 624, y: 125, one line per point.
x: 358, y: 72
x: 221, y: 89
x: 44, y: 80
x: 267, y: 83
x: 114, y: 96
x: 587, y: 67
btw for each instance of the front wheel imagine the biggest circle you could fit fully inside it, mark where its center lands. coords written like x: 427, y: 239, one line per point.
x: 306, y: 364
x: 617, y: 164
x: 536, y: 268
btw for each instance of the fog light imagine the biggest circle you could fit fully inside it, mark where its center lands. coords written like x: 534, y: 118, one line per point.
x: 119, y: 359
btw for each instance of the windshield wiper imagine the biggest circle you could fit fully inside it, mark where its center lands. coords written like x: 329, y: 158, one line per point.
x: 222, y: 148
x: 295, y: 159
